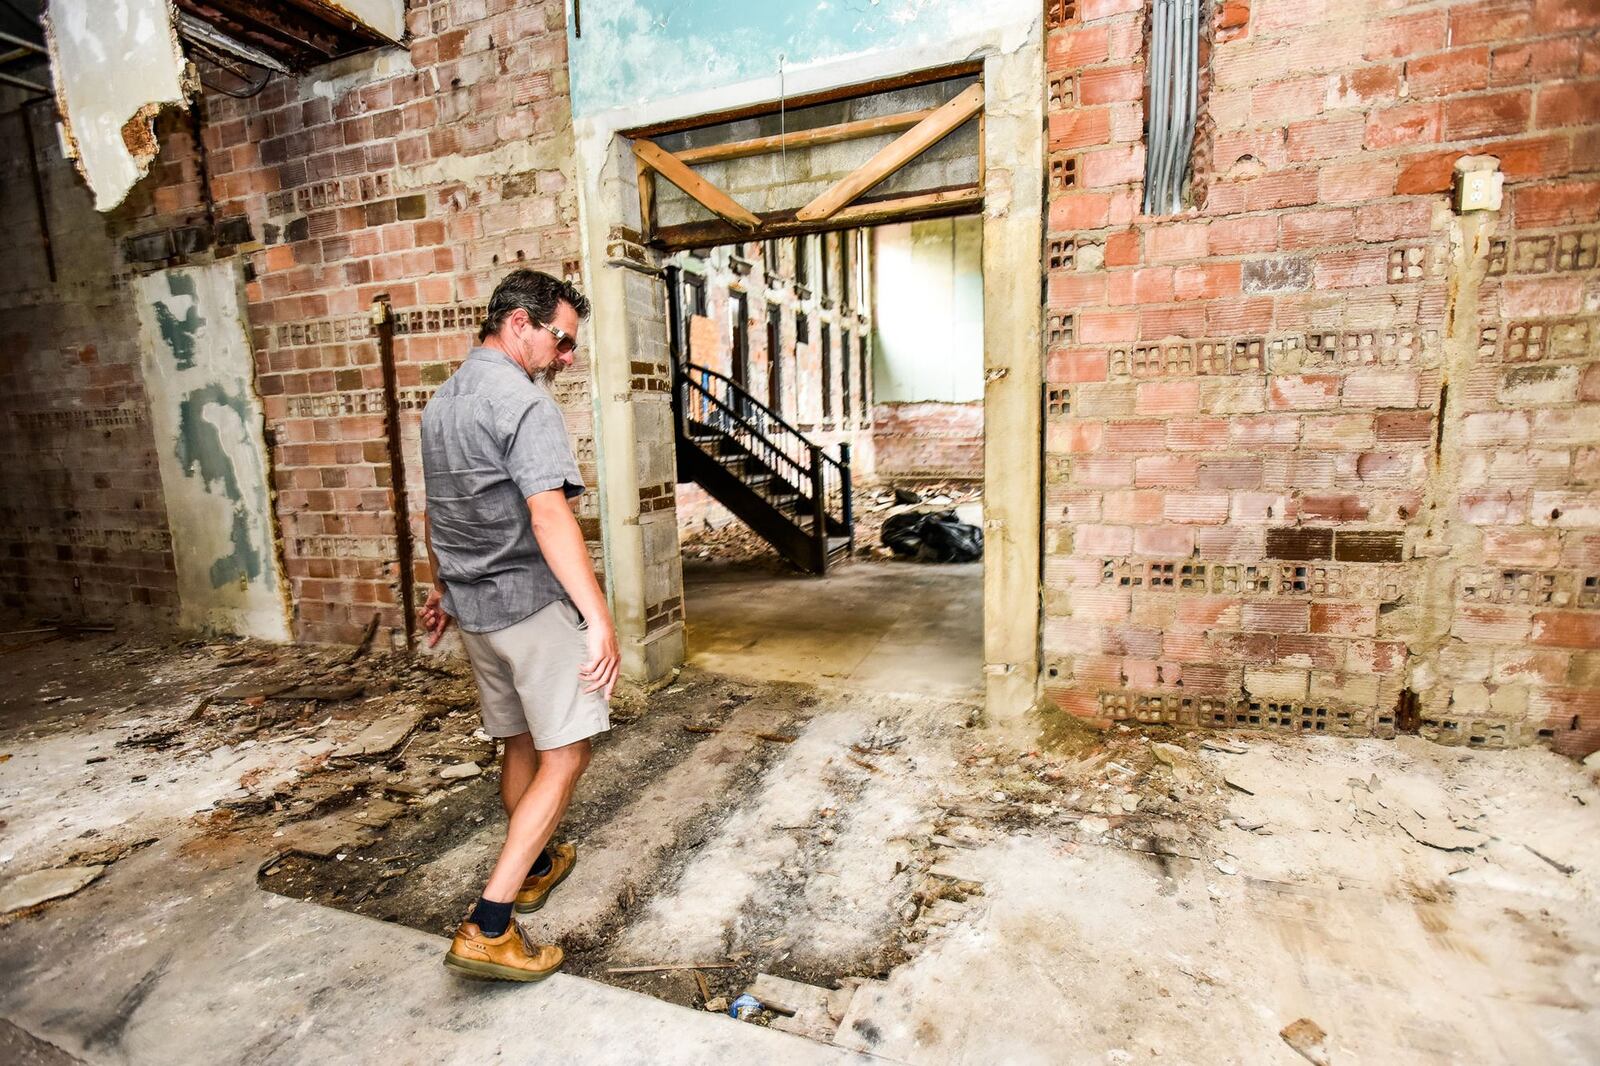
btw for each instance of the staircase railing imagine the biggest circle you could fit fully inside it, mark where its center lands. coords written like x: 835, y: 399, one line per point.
x: 713, y: 400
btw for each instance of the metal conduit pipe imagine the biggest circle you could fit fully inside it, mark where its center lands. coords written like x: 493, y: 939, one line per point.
x: 1160, y: 85
x: 1174, y: 100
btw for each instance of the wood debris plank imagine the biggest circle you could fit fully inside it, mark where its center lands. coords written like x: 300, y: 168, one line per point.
x: 905, y: 148
x: 702, y: 191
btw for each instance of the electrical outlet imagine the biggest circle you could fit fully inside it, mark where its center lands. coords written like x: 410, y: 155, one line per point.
x: 1479, y: 190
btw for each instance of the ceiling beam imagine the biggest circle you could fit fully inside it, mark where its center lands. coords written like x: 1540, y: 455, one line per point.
x: 791, y: 104
x: 843, y: 131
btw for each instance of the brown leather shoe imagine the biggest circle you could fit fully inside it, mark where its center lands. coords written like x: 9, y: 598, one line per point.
x: 511, y: 956
x: 535, y: 890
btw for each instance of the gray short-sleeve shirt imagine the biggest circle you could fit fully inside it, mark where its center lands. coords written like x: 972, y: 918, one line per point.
x: 492, y: 437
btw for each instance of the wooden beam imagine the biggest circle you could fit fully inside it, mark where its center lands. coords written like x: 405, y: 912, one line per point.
x: 844, y: 131
x: 702, y: 191
x: 905, y: 148
x: 938, y: 203
x: 965, y: 69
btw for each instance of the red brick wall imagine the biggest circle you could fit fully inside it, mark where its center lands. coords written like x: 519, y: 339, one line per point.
x: 928, y: 440
x: 424, y: 186
x: 1254, y: 513
x: 83, y: 527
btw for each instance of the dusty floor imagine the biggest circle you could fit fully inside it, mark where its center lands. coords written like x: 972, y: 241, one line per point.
x: 952, y: 895
x: 877, y: 626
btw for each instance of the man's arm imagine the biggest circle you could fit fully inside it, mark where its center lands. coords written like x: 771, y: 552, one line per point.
x: 434, y: 618
x: 561, y: 541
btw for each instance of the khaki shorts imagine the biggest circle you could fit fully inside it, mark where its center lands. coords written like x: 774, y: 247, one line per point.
x: 528, y: 679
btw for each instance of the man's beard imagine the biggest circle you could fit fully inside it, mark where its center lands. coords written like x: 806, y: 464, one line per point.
x: 548, y: 374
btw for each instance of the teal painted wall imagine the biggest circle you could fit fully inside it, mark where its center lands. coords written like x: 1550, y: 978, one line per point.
x: 634, y: 51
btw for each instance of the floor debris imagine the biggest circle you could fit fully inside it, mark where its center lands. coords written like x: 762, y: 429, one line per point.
x: 40, y: 886
x: 899, y: 903
x: 1443, y: 837
x: 1307, y: 1037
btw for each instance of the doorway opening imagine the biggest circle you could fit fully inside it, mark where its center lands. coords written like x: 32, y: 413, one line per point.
x: 865, y: 343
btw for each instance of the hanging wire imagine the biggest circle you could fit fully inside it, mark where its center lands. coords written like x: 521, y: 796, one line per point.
x: 783, y: 126
x: 254, y: 78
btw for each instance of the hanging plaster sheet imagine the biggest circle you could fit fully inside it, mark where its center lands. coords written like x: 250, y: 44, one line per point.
x: 198, y: 372
x: 116, y: 64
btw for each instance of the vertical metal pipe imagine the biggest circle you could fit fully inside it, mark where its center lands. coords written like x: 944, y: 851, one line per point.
x: 1196, y: 11
x: 845, y: 488
x: 1180, y: 91
x: 383, y: 327
x: 819, y: 511
x: 1155, y: 136
x: 38, y: 192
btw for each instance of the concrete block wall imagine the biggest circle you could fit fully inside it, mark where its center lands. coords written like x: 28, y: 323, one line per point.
x: 422, y: 177
x: 1320, y: 452
x: 83, y: 525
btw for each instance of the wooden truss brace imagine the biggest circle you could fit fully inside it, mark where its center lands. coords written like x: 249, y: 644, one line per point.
x: 924, y: 129
x: 897, y: 154
x: 843, y: 131
x: 652, y: 155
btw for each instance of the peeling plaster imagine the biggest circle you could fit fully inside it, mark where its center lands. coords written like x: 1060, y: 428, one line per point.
x: 510, y: 158
x: 337, y: 77
x: 387, y: 17
x: 116, y: 65
x: 198, y: 372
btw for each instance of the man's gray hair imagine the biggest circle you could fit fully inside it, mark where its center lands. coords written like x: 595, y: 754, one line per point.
x: 536, y: 293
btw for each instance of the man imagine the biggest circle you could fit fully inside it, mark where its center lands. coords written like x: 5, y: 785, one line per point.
x: 511, y: 568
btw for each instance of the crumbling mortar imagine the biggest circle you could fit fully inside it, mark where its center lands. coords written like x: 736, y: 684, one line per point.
x: 1441, y: 543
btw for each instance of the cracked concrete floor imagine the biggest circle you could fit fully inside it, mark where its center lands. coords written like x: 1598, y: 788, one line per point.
x: 1077, y: 897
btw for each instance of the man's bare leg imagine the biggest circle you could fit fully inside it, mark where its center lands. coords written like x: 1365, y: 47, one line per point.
x: 535, y: 817
x: 518, y: 764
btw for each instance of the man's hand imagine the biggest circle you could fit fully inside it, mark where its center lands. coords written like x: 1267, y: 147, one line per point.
x: 600, y: 672
x: 434, y: 617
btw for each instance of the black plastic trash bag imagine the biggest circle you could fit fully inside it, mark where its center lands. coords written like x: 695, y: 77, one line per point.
x: 935, y: 537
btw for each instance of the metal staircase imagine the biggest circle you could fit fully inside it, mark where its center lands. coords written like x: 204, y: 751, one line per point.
x: 792, y: 493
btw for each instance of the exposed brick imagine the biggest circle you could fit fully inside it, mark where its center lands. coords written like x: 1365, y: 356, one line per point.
x: 1566, y: 629
x: 1106, y: 85
x: 1178, y: 240
x: 1497, y: 114
x: 1300, y: 543
x: 1491, y: 20
x: 1276, y: 617
x: 1555, y: 204
x: 1448, y: 73
x: 1405, y: 124
x: 1363, y: 546
x: 1079, y: 128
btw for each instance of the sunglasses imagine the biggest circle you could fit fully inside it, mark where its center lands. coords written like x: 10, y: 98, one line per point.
x: 565, y: 342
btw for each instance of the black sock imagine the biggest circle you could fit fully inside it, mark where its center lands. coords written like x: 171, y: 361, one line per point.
x: 542, y: 865
x: 493, y: 918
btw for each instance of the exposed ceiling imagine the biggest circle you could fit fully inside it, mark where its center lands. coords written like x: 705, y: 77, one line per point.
x: 23, y: 60
x: 298, y: 34
x: 237, y: 43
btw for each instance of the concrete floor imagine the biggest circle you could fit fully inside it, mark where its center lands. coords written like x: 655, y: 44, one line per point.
x: 1065, y: 897
x: 882, y: 627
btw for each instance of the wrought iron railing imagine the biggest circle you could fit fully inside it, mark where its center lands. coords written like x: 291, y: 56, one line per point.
x: 790, y: 472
